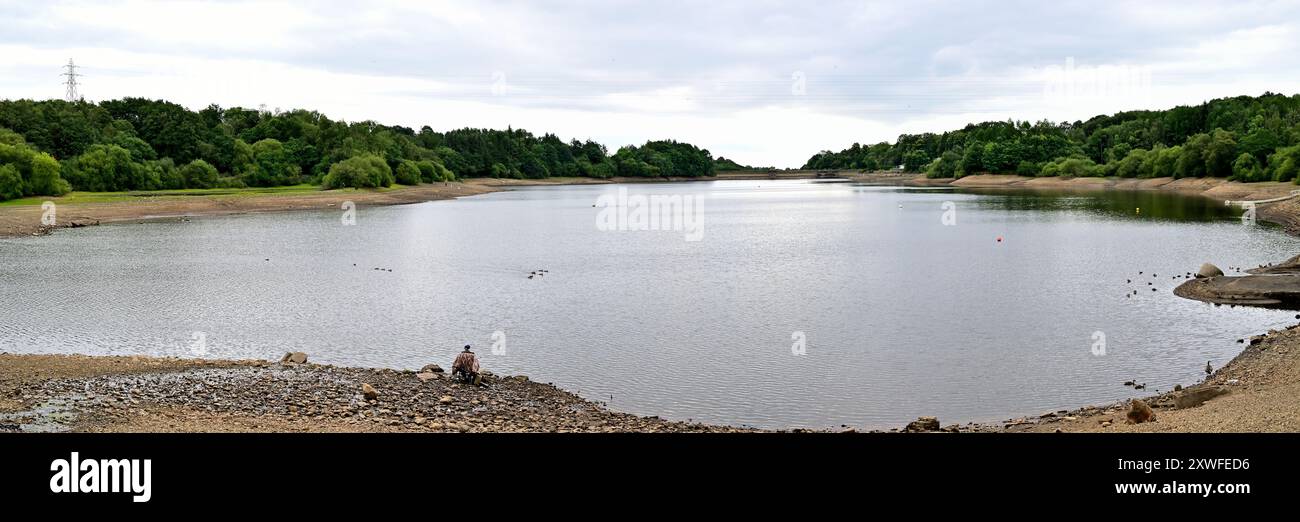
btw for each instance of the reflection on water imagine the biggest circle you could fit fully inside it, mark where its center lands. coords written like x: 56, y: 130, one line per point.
x: 901, y: 315
x: 1119, y: 203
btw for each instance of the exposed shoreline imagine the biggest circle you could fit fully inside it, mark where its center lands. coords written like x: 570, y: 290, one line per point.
x: 1253, y: 392
x: 80, y: 393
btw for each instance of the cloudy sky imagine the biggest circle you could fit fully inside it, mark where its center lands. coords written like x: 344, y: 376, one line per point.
x: 761, y: 82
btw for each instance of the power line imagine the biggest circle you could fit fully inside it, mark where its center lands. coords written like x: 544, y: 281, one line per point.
x: 71, y: 84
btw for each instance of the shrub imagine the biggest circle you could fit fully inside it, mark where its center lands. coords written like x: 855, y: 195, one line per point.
x: 37, y: 173
x: 1028, y: 168
x: 11, y: 183
x: 407, y: 173
x: 199, y: 174
x: 365, y: 171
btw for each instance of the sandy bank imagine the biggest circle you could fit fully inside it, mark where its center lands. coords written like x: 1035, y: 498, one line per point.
x: 1256, y: 392
x: 25, y: 220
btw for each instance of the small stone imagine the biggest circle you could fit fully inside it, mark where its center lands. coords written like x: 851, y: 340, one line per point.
x: 294, y: 357
x: 923, y: 424
x: 426, y: 376
x: 446, y: 399
x: 1208, y: 270
x: 1197, y: 396
x: 369, y: 392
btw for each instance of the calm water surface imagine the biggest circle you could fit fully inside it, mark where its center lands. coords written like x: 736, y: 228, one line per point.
x: 902, y: 316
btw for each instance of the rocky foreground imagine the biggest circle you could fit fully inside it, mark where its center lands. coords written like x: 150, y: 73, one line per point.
x: 139, y: 394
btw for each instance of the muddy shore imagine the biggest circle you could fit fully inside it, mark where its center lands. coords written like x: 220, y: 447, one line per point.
x: 1254, y: 392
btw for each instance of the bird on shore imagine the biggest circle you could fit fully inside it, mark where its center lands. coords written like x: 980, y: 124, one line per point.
x: 1208, y: 369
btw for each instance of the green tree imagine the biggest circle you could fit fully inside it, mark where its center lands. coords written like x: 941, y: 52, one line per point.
x: 1220, y: 152
x: 365, y: 171
x: 1246, y: 168
x: 407, y: 173
x: 11, y: 182
x: 1191, y: 163
x: 272, y: 165
x: 946, y: 166
x: 1165, y: 164
x: 109, y: 168
x: 972, y: 159
x: 1135, y: 165
x: 915, y: 161
x: 199, y: 174
x: 1285, y: 163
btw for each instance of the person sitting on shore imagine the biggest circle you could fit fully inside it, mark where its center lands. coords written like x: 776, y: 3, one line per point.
x: 465, y: 367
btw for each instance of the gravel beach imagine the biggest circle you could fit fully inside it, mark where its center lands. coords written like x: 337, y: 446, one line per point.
x: 79, y: 393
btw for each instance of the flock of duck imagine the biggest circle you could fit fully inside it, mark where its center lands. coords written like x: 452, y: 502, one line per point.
x: 1186, y: 275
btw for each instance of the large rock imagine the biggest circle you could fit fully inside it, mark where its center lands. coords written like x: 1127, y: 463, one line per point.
x: 431, y: 368
x: 295, y: 358
x: 1208, y: 270
x: 1197, y: 396
x: 369, y: 392
x: 426, y: 376
x: 923, y: 424
x: 1139, y: 412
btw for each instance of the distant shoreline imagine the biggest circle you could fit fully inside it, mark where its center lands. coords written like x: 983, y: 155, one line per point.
x: 18, y: 220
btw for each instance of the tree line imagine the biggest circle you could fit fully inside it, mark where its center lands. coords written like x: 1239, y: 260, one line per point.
x: 50, y: 147
x: 1242, y: 138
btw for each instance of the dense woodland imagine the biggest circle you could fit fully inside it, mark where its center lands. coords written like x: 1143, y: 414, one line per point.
x: 1242, y: 138
x: 52, y: 147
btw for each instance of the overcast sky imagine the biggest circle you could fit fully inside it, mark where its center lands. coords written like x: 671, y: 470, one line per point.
x: 761, y: 82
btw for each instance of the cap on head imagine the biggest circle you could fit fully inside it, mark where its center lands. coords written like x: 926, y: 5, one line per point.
x: 467, y: 347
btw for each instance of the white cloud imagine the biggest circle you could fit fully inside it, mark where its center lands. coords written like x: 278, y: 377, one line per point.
x: 718, y: 74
